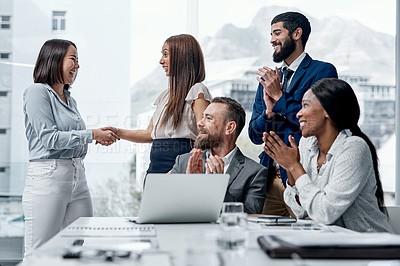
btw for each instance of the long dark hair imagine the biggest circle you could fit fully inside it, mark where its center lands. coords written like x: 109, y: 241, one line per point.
x: 186, y: 69
x: 49, y: 64
x: 340, y: 102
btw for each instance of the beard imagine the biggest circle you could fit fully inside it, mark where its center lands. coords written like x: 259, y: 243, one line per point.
x: 207, y: 141
x: 286, y: 50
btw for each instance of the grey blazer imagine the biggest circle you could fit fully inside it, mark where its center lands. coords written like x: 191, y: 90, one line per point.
x: 247, y: 182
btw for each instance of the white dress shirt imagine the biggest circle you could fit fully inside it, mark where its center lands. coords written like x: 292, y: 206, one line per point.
x: 293, y: 66
x: 226, y: 159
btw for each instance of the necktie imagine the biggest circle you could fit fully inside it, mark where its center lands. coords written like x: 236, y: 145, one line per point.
x: 287, y: 73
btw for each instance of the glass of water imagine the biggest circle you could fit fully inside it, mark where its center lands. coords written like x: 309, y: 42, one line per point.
x: 233, y: 226
x: 202, y: 249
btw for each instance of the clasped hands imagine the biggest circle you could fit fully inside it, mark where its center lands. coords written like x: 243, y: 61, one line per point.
x: 270, y: 79
x: 213, y: 165
x: 106, y: 135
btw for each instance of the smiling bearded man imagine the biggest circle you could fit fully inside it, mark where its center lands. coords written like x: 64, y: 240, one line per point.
x: 279, y: 95
x: 216, y: 153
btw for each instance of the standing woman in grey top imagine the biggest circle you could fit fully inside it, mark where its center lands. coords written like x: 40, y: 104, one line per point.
x: 333, y: 174
x: 56, y: 192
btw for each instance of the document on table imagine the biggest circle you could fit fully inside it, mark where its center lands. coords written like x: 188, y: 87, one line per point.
x: 121, y: 243
x: 159, y: 259
x: 278, y: 229
x: 108, y: 227
x: 290, y: 227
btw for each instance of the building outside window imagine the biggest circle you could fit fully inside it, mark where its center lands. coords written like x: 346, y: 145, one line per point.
x: 4, y: 55
x: 59, y: 20
x: 111, y: 169
x: 5, y: 22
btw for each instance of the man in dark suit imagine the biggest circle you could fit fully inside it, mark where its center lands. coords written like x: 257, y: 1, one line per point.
x: 216, y: 152
x: 279, y: 95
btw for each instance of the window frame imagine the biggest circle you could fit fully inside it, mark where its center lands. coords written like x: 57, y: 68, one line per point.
x: 58, y: 21
x: 5, y: 22
x: 5, y: 58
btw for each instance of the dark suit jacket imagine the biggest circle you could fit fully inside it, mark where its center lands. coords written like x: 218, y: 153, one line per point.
x: 285, y: 122
x: 246, y: 183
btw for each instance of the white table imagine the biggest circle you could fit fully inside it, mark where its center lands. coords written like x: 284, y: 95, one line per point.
x: 171, y: 246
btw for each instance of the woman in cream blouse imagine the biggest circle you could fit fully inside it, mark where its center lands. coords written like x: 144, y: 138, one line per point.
x: 172, y: 128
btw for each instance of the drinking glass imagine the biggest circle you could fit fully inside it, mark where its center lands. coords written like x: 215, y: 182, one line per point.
x: 233, y: 226
x: 202, y: 249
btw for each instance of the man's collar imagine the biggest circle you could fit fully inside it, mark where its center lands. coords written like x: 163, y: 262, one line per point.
x: 226, y: 158
x: 296, y: 63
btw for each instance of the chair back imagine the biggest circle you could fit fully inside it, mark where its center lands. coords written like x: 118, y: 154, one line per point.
x: 394, y: 218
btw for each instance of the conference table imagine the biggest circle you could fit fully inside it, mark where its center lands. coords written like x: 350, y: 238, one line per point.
x: 124, y: 242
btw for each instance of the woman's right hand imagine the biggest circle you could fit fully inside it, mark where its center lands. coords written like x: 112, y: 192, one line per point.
x: 286, y: 156
x: 137, y: 135
x: 105, y: 136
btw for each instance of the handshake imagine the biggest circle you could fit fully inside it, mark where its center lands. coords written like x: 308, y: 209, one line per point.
x: 106, y: 135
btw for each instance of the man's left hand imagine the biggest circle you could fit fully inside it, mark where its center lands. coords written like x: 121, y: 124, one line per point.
x: 215, y: 165
x: 270, y: 80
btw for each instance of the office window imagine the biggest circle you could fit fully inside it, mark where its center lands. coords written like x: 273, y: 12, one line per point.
x: 5, y: 22
x: 59, y: 20
x: 3, y: 131
x: 3, y: 93
x: 4, y: 55
x: 2, y: 169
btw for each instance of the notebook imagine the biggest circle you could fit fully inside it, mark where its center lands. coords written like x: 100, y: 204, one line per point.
x: 271, y: 219
x: 332, y: 245
x: 182, y: 198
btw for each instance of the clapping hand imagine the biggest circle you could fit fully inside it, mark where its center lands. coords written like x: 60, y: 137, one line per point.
x: 270, y: 80
x: 284, y: 155
x: 214, y: 165
x: 269, y: 103
x: 195, y: 164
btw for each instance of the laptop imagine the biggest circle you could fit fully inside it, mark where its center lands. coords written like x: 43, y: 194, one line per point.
x: 182, y: 198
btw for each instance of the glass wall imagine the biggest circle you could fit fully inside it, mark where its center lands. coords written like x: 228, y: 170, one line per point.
x: 119, y: 49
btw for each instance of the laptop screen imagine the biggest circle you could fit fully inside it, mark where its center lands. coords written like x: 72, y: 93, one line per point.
x: 182, y: 198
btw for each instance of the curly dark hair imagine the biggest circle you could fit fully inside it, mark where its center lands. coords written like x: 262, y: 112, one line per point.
x: 292, y: 21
